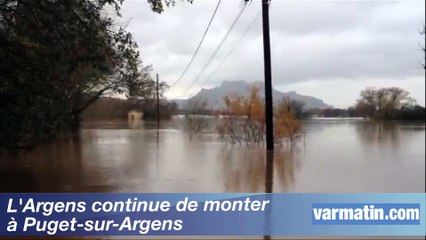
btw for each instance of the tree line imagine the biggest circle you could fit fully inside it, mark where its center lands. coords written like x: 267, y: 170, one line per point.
x: 389, y: 103
x: 111, y: 109
x: 59, y: 57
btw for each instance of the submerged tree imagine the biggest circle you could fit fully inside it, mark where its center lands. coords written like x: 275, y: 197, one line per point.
x: 244, y: 121
x: 383, y: 103
x: 286, y: 124
x: 195, y: 118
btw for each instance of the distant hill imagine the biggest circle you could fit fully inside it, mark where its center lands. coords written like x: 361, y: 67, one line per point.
x: 214, y: 96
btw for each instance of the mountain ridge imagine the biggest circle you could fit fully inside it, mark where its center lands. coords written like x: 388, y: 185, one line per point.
x: 214, y: 96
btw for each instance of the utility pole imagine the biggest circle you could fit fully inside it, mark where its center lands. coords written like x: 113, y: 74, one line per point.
x: 158, y: 104
x: 268, y: 77
x: 269, y: 115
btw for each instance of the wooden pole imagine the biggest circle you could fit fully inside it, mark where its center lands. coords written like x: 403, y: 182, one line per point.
x: 268, y: 77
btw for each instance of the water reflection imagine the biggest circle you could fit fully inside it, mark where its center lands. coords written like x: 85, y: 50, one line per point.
x: 268, y: 189
x: 269, y: 171
x: 49, y: 168
x: 119, y: 157
x: 377, y: 132
x: 135, y: 124
x: 254, y: 170
x: 398, y: 141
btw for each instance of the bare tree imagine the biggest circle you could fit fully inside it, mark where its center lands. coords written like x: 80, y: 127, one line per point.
x: 287, y: 126
x: 245, y: 120
x: 383, y: 103
x: 423, y: 32
x: 195, y: 116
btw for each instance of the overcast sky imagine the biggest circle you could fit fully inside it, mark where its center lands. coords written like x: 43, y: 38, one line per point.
x: 326, y: 49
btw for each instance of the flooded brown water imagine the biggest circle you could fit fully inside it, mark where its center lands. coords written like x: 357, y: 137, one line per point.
x: 337, y: 156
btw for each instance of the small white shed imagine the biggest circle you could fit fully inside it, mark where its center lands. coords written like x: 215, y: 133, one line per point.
x: 135, y: 115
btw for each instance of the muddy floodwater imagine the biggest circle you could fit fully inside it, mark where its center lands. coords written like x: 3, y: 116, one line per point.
x: 337, y: 155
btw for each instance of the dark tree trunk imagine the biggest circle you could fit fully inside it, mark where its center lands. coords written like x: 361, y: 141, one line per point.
x: 75, y: 122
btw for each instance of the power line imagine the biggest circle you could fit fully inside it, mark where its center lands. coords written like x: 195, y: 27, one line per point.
x: 199, y: 44
x: 217, y: 49
x: 232, y: 50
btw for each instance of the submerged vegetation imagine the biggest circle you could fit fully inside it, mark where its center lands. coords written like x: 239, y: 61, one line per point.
x: 195, y: 118
x: 244, y: 121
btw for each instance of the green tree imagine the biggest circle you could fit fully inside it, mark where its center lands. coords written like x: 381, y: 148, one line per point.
x: 57, y: 58
x: 158, y: 5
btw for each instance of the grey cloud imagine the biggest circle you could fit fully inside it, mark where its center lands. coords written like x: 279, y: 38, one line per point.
x: 311, y: 40
x: 307, y: 17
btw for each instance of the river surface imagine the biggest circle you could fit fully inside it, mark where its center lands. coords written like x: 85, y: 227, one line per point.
x: 337, y: 155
